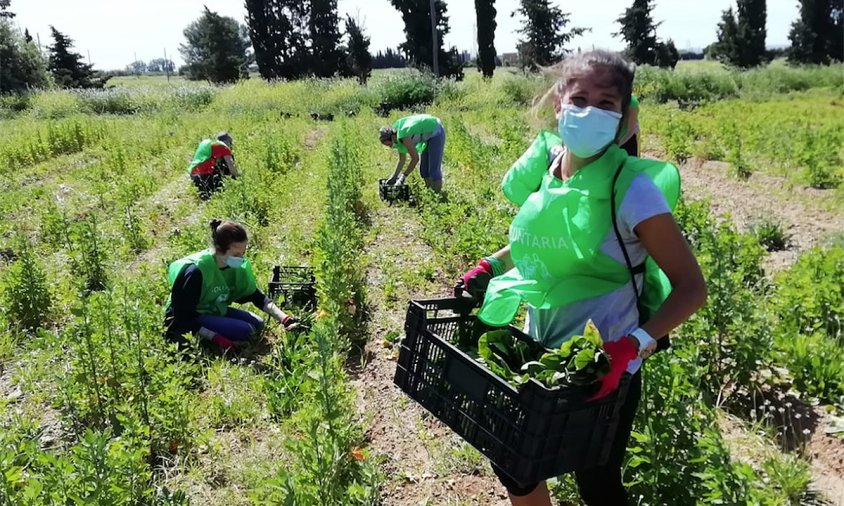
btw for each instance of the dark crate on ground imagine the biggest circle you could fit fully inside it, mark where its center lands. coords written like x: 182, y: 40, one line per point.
x: 393, y: 193
x: 294, y: 288
x: 532, y: 433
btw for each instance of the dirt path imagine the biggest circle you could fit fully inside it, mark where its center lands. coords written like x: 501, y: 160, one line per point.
x: 827, y: 455
x: 764, y: 197
x: 424, y: 462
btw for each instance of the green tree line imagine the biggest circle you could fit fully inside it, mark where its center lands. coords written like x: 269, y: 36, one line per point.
x: 290, y: 39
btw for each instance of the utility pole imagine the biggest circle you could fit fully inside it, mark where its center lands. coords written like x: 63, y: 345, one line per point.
x: 166, y: 65
x: 436, y: 48
x: 135, y: 65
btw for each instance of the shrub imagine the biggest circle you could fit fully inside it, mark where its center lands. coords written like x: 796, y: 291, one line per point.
x: 663, y: 85
x: 26, y: 290
x: 55, y: 105
x: 817, y: 364
x: 11, y: 105
x: 406, y: 91
x: 90, y: 253
x: 521, y: 90
x: 810, y: 295
x: 771, y: 235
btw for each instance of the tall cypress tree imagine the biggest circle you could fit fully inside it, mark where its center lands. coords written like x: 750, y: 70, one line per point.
x: 752, y: 16
x: 544, y: 36
x: 817, y: 36
x: 279, y: 33
x: 741, y: 36
x: 485, y: 12
x: 835, y: 27
x: 639, y: 31
x: 326, y: 59
x: 418, y: 44
x: 359, y: 60
x: 726, y: 49
x: 67, y: 67
x: 22, y: 66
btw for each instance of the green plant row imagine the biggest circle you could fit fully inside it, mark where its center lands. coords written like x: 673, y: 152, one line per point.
x: 329, y: 467
x: 759, y: 136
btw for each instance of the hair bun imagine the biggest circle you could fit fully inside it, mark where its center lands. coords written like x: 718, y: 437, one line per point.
x: 215, y: 223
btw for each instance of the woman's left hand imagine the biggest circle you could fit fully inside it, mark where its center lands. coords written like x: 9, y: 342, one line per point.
x: 621, y: 352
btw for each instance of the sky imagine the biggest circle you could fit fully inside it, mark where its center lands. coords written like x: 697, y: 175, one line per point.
x: 113, y: 32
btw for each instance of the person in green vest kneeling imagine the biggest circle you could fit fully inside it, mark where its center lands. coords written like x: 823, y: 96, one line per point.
x: 421, y: 136
x: 213, y: 160
x: 594, y: 239
x: 203, y: 285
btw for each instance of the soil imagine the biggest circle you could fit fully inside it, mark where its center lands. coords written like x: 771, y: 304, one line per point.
x: 314, y: 136
x: 414, y: 446
x: 764, y: 197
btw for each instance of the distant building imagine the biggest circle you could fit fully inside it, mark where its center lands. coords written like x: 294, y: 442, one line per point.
x: 509, y: 58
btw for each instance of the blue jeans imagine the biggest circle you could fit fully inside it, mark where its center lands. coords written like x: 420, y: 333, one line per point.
x: 238, y: 325
x: 431, y: 162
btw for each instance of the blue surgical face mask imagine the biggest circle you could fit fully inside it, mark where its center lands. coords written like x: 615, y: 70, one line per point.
x: 587, y: 130
x: 234, y: 262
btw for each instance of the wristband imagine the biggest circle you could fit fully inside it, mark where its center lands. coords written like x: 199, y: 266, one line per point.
x: 496, y: 264
x: 646, y: 342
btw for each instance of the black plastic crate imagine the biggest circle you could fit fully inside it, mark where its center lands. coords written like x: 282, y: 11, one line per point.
x: 532, y: 433
x: 393, y: 193
x: 294, y: 287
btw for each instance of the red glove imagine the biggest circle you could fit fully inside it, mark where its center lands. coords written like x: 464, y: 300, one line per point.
x: 620, y: 352
x: 290, y: 323
x: 224, y: 343
x: 475, y: 279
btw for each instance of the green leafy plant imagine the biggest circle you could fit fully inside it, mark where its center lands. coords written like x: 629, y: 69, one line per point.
x: 26, y: 293
x: 771, y: 235
x: 90, y: 253
x: 790, y: 474
x: 578, y: 361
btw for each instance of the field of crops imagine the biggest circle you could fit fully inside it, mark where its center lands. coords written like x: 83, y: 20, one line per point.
x: 96, y: 408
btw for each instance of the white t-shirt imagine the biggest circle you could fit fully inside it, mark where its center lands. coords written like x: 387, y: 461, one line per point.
x: 615, y: 313
x: 425, y: 137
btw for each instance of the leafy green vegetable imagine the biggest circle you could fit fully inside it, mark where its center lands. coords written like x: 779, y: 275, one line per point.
x: 579, y: 361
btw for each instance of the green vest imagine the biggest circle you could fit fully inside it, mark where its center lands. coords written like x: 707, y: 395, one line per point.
x: 555, y: 238
x: 203, y: 153
x: 413, y: 125
x: 220, y: 287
